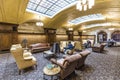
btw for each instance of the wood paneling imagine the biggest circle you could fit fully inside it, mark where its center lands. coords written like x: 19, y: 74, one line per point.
x: 5, y: 41
x: 70, y: 35
x: 76, y: 38
x: 51, y: 35
x: 61, y: 38
x: 32, y: 38
x: 14, y: 38
x: 7, y: 35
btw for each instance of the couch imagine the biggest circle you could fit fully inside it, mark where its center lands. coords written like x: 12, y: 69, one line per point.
x: 67, y: 64
x: 39, y: 47
x: 18, y: 53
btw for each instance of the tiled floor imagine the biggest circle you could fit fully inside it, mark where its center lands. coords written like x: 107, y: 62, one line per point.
x: 99, y: 66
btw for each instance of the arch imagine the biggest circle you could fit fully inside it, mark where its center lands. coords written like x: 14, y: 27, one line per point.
x: 102, y: 36
x: 116, y: 35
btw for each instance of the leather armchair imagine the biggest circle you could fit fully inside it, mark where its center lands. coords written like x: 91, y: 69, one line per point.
x: 98, y: 48
x: 81, y: 61
x: 68, y: 64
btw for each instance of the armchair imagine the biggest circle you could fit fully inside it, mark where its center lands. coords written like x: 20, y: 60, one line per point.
x: 78, y: 46
x: 68, y: 64
x: 81, y: 61
x: 99, y: 48
x: 17, y: 52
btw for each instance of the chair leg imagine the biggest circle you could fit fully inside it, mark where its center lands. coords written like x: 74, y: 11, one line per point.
x: 19, y: 72
x: 36, y: 66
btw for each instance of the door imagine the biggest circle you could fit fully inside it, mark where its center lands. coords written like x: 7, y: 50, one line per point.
x: 5, y: 41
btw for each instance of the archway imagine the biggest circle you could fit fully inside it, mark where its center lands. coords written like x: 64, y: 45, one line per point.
x: 116, y: 36
x: 102, y: 36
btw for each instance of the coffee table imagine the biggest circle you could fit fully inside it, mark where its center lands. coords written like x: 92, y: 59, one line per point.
x: 51, y: 72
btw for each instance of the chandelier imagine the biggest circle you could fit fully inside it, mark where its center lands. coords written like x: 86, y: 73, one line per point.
x: 39, y: 23
x: 84, y: 4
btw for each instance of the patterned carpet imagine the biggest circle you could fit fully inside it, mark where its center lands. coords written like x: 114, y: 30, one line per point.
x: 99, y: 66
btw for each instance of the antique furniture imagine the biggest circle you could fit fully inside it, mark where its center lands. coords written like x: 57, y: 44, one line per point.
x: 51, y: 70
x: 81, y: 61
x: 48, y: 54
x: 67, y: 64
x: 23, y: 58
x: 39, y: 47
x: 78, y: 46
x: 98, y: 48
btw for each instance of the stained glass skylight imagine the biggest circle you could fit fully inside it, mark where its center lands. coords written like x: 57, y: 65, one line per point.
x: 87, y: 18
x: 48, y: 7
x: 102, y: 24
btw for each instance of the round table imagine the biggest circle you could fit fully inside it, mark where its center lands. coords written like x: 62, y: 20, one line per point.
x: 51, y: 72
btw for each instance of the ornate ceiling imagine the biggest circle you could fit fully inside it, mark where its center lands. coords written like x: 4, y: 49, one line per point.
x: 14, y: 11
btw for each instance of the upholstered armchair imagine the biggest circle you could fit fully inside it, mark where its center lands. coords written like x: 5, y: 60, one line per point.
x: 67, y: 64
x: 22, y: 63
x: 78, y: 46
x: 98, y: 48
x: 81, y: 61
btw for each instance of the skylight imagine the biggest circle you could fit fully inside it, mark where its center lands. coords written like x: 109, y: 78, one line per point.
x: 102, y: 24
x: 87, y: 18
x: 48, y: 7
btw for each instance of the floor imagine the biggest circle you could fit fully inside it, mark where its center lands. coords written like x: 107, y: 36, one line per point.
x: 98, y: 66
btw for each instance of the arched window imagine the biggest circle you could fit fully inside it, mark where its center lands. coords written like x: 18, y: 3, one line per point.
x: 116, y: 36
x: 101, y: 36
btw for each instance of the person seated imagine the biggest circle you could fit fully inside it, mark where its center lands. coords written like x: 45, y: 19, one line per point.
x: 87, y: 44
x: 69, y: 46
x: 110, y: 42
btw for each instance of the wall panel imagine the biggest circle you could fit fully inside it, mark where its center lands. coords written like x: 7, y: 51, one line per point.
x: 61, y: 38
x: 32, y: 38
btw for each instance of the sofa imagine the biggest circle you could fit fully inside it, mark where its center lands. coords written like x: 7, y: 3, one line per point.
x: 67, y: 64
x: 23, y: 59
x: 39, y: 47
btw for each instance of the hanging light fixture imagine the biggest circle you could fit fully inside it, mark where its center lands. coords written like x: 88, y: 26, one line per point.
x: 84, y: 4
x: 39, y: 23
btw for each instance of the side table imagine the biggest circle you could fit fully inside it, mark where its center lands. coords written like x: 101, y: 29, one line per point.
x: 51, y: 72
x: 48, y: 54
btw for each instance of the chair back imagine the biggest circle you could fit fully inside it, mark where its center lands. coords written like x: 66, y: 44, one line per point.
x: 55, y: 48
x: 78, y: 46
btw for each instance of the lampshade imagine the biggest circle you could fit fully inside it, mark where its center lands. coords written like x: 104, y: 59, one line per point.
x: 39, y: 23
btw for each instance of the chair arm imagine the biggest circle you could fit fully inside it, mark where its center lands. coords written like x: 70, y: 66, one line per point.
x: 95, y: 47
x: 54, y: 61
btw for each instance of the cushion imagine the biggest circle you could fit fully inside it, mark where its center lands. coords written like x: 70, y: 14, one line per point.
x: 84, y: 53
x: 28, y: 58
x: 26, y: 54
x: 61, y: 61
x: 73, y: 57
x: 69, y: 52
